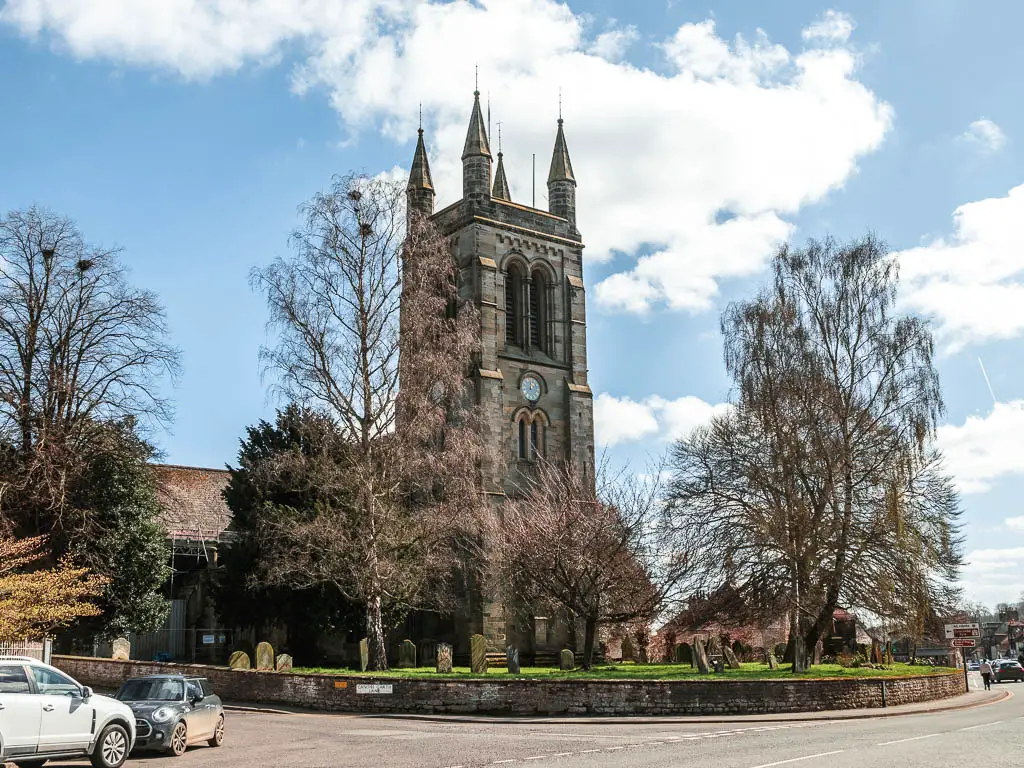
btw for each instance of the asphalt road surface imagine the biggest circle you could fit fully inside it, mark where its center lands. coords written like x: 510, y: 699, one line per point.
x: 987, y: 735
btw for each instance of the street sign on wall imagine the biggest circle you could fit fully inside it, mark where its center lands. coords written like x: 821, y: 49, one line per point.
x: 962, y: 631
x: 963, y: 642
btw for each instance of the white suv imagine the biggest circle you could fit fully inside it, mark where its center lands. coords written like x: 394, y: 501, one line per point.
x: 46, y: 715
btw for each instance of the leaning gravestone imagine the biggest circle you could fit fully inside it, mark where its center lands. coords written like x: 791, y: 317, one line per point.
x: 628, y: 653
x: 478, y: 655
x: 730, y: 657
x: 121, y: 649
x: 876, y: 652
x: 264, y: 656
x: 567, y: 660
x: 444, y: 658
x: 512, y: 660
x: 407, y: 655
x: 283, y: 663
x: 364, y: 654
x: 239, y: 660
x: 773, y: 663
x: 700, y: 655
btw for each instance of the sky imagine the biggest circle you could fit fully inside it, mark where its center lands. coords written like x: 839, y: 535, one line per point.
x: 703, y: 135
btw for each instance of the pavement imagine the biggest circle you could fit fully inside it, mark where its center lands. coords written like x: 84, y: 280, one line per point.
x: 985, y: 727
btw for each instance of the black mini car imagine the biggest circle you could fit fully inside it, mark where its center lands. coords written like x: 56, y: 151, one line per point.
x: 172, y: 712
x: 1004, y: 671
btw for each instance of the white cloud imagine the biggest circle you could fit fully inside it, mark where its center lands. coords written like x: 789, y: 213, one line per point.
x: 613, y: 44
x: 986, y: 448
x: 694, y: 172
x: 621, y: 420
x: 1014, y: 523
x: 832, y: 26
x: 984, y: 136
x: 994, y: 575
x: 971, y: 281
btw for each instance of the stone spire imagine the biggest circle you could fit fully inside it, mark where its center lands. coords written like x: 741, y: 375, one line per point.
x: 476, y: 155
x: 420, y: 190
x: 561, y: 181
x: 500, y: 190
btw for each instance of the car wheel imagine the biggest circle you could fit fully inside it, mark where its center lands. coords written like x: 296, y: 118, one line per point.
x: 111, y: 747
x: 218, y: 733
x: 179, y: 739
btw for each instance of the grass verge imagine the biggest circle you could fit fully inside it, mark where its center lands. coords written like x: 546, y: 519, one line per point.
x: 630, y: 671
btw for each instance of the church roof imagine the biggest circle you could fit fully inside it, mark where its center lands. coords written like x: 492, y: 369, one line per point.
x: 419, y: 175
x: 192, y: 500
x: 500, y: 191
x: 476, y: 136
x: 561, y: 165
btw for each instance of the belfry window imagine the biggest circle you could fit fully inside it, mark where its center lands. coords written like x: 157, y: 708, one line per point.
x: 513, y: 305
x: 530, y: 433
x: 539, y: 312
x: 523, y: 446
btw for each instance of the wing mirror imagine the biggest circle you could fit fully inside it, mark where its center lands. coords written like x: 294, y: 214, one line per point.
x: 86, y: 692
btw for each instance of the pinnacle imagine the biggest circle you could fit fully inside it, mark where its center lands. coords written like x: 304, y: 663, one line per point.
x: 419, y: 175
x: 561, y: 166
x: 501, y: 191
x: 476, y: 137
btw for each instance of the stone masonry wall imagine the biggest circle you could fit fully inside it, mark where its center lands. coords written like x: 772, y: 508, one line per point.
x: 339, y: 693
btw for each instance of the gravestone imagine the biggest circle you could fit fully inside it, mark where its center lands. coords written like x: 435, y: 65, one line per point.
x: 283, y: 663
x: 876, y: 652
x: 478, y: 654
x: 628, y: 653
x: 239, y: 660
x: 773, y: 663
x: 566, y: 660
x: 121, y: 649
x: 444, y: 658
x: 364, y: 654
x: 730, y: 657
x: 819, y: 649
x: 407, y: 655
x: 512, y: 660
x: 719, y: 665
x: 714, y: 646
x: 641, y: 656
x: 700, y: 655
x: 428, y: 653
x: 265, y: 656
x: 680, y: 654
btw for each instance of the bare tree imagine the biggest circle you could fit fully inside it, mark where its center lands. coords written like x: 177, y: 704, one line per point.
x: 371, y: 334
x: 823, y: 487
x: 592, y: 551
x: 79, y: 347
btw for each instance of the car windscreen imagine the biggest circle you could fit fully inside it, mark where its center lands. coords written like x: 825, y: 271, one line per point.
x: 151, y: 690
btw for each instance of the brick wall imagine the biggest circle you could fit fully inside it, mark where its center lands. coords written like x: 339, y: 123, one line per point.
x: 530, y: 697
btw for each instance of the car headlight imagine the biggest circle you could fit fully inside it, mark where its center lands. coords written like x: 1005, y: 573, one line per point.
x: 162, y: 715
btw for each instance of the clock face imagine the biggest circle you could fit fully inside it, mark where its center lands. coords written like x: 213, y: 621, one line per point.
x: 530, y: 388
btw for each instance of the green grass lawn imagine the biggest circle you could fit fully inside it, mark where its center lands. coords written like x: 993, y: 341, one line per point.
x: 630, y: 671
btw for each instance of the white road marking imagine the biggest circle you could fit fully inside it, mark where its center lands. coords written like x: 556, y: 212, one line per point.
x: 535, y: 757
x: 912, y: 738
x: 503, y: 762
x: 980, y: 725
x: 798, y: 759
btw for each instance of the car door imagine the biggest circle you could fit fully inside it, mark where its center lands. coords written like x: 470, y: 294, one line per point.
x: 198, y: 717
x: 66, y: 723
x: 212, y: 702
x: 20, y: 712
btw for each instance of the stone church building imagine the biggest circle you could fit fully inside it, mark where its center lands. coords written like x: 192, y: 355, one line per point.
x: 523, y: 269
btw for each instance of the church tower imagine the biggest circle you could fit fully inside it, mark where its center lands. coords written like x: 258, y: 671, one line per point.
x: 523, y: 269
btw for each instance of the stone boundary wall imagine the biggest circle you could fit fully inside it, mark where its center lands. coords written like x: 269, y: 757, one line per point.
x: 338, y: 693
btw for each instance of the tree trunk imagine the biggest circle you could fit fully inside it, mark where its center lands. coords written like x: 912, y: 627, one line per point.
x: 796, y: 640
x: 590, y: 633
x: 378, y: 655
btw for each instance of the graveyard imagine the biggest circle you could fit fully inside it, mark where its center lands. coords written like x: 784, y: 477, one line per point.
x: 634, y: 671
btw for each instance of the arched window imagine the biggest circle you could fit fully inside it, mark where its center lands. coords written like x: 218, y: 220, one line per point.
x: 538, y: 311
x: 513, y: 305
x: 530, y: 432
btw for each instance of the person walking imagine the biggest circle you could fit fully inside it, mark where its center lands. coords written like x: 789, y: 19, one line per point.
x: 986, y: 674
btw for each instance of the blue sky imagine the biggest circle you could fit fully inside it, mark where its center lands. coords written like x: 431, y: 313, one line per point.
x: 188, y: 134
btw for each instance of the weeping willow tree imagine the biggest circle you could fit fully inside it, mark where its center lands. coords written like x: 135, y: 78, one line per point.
x: 822, y: 486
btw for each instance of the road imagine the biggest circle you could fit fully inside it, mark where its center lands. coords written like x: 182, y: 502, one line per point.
x: 987, y: 735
